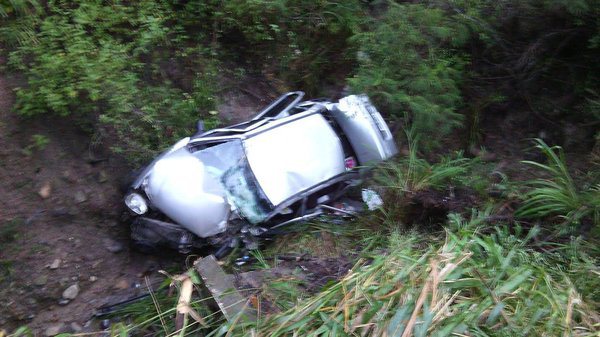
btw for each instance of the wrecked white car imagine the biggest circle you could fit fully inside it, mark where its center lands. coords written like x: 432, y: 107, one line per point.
x: 228, y: 186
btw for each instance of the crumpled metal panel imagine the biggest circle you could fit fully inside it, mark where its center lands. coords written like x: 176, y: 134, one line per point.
x: 366, y: 130
x: 294, y: 157
x: 181, y: 187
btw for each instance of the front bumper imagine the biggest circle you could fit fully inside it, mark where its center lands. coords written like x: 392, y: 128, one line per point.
x: 149, y: 234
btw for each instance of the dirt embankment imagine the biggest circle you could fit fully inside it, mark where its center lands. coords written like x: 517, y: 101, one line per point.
x: 59, y: 226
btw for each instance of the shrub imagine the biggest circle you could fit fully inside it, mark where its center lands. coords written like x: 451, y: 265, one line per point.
x: 301, y: 42
x: 412, y: 174
x: 93, y: 59
x: 409, y: 66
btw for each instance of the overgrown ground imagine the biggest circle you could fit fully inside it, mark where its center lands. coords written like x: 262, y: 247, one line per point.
x: 485, y: 231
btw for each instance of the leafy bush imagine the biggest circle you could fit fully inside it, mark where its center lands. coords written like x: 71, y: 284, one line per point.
x: 409, y: 66
x: 17, y: 20
x: 558, y: 195
x: 93, y: 59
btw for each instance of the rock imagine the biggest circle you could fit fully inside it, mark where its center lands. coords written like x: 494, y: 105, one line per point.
x: 76, y: 327
x: 55, y: 264
x: 93, y: 278
x: 105, y: 324
x: 41, y: 280
x: 96, y: 263
x: 102, y: 177
x: 54, y: 330
x: 71, y: 292
x: 122, y: 284
x: 62, y: 301
x: 113, y: 246
x: 68, y: 176
x: 80, y: 197
x: 45, y: 191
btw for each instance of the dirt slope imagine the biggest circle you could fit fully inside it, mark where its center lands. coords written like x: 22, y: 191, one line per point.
x: 60, y: 204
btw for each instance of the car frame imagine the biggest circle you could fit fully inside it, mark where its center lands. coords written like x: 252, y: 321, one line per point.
x: 233, y: 185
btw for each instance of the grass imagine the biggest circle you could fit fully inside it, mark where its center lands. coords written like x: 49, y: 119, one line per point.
x: 412, y: 174
x: 558, y: 195
x: 468, y: 283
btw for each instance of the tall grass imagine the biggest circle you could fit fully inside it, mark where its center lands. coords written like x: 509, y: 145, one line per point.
x: 413, y: 174
x: 467, y: 284
x: 558, y: 195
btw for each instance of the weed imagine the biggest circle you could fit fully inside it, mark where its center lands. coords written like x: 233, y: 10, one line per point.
x: 558, y: 195
x: 260, y: 258
x: 9, y: 231
x: 38, y: 143
x: 406, y: 67
x: 413, y: 174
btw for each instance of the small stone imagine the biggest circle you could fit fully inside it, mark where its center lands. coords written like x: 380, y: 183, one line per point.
x: 71, y: 292
x: 93, y: 278
x: 41, y: 280
x: 105, y: 324
x: 67, y: 175
x: 45, y: 190
x: 122, y: 284
x: 80, y: 197
x: 113, y: 246
x: 54, y: 330
x: 55, y: 264
x: 102, y: 177
x: 62, y: 301
x: 76, y: 327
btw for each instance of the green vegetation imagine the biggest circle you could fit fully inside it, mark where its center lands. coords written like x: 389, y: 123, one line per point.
x: 100, y: 62
x: 468, y: 283
x: 413, y: 174
x: 480, y: 275
x: 406, y: 65
x: 475, y: 279
x: 301, y: 42
x: 150, y: 69
x: 558, y: 194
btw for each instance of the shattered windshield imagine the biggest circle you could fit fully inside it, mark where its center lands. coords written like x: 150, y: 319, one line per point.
x: 228, y: 164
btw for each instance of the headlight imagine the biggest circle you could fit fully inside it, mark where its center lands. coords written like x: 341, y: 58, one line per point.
x: 136, y: 203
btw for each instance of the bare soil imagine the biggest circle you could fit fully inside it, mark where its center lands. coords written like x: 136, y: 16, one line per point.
x: 60, y: 204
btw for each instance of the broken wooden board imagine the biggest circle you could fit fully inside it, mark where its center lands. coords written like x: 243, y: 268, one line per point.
x: 221, y: 285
